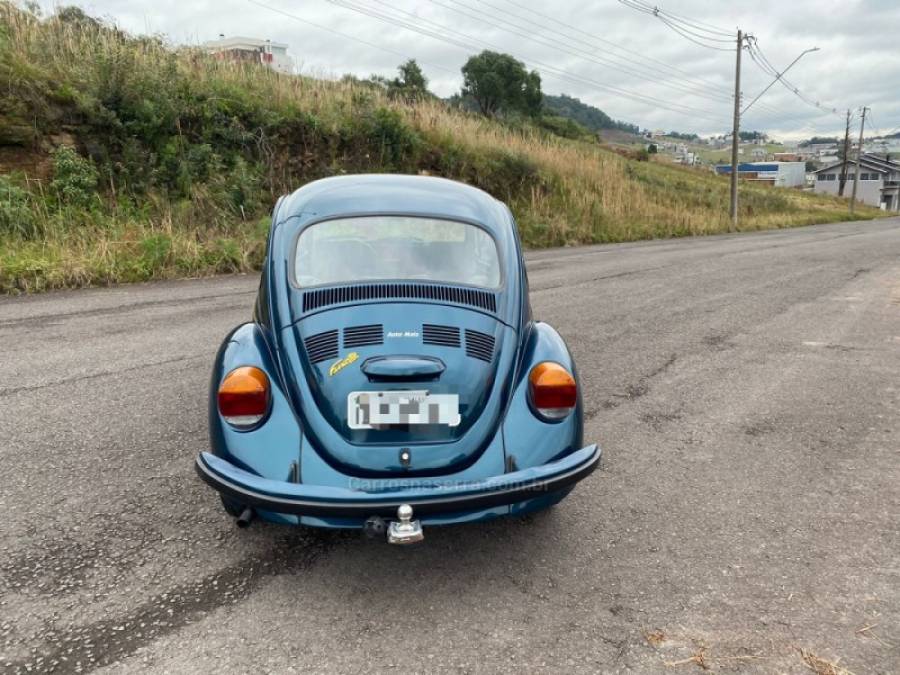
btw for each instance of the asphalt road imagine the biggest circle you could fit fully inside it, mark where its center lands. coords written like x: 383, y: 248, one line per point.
x: 746, y: 390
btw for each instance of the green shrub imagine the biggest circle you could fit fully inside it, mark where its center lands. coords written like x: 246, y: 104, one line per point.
x: 397, y: 141
x: 74, y: 178
x: 223, y: 256
x: 241, y: 188
x: 564, y: 126
x: 155, y: 251
x: 188, y: 154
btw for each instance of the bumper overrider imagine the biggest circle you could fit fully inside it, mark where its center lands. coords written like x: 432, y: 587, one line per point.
x: 366, y: 497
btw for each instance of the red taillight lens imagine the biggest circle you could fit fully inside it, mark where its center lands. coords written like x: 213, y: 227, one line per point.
x: 553, y: 390
x: 244, y: 396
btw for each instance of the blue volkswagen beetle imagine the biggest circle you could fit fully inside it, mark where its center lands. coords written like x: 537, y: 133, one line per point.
x: 392, y: 376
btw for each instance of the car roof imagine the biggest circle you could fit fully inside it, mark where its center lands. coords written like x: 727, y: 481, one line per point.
x: 361, y: 194
x: 374, y: 194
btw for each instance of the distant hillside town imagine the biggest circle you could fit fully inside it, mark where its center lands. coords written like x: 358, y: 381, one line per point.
x: 816, y: 164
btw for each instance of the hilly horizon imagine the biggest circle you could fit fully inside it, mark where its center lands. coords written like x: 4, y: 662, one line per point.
x: 122, y: 159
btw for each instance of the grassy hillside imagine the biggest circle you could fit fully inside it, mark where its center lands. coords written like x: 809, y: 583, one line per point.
x: 586, y: 115
x: 122, y: 159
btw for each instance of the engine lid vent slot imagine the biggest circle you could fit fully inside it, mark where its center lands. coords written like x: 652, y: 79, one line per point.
x: 479, y: 345
x: 361, y: 336
x: 443, y: 336
x: 473, y: 297
x: 322, y: 346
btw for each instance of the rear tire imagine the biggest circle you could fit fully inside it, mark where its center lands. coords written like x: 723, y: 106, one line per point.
x: 232, y: 508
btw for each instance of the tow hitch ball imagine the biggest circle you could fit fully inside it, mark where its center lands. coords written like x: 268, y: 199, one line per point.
x: 406, y: 530
x: 402, y: 531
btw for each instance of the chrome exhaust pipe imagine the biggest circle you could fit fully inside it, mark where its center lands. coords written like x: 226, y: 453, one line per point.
x: 245, y: 518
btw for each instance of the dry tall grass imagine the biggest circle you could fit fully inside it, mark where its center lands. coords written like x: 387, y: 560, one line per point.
x: 116, y: 94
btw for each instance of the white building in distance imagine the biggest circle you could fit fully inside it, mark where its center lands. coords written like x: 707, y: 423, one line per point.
x: 777, y: 174
x: 252, y: 50
x: 879, y: 181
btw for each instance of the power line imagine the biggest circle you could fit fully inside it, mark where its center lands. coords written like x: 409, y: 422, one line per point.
x: 656, y: 63
x: 548, y: 69
x: 692, y: 31
x: 704, y: 33
x: 759, y: 58
x: 656, y: 11
x: 344, y: 35
x: 727, y: 95
x: 685, y: 19
x: 651, y: 71
x: 687, y: 26
x: 772, y: 111
x: 720, y: 97
x: 440, y: 33
x: 780, y: 115
x: 778, y: 77
x: 691, y: 39
x: 574, y: 51
x: 469, y: 43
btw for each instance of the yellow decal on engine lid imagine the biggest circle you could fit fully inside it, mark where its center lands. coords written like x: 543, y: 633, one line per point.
x: 338, y: 366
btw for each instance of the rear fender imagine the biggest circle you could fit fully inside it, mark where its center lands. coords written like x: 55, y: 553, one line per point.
x: 271, y: 450
x: 530, y: 441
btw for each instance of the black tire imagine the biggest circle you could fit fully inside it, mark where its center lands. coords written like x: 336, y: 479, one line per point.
x: 232, y: 508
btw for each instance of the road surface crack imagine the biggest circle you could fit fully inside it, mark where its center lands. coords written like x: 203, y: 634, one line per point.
x: 634, y: 390
x: 101, y: 643
x: 104, y: 373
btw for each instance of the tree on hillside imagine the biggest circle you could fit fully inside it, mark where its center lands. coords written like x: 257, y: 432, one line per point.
x: 75, y: 15
x: 819, y: 139
x: 752, y: 135
x: 412, y: 85
x: 586, y: 115
x: 499, y: 83
x: 683, y: 136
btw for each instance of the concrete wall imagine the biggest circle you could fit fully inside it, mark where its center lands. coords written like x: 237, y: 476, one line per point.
x: 791, y: 174
x: 281, y: 61
x: 868, y: 191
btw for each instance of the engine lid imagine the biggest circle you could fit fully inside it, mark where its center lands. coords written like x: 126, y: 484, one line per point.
x: 407, y: 350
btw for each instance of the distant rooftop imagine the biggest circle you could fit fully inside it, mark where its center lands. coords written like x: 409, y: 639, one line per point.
x: 241, y: 41
x: 868, y: 161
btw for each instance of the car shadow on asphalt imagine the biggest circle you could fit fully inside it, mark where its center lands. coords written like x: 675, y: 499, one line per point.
x: 486, y: 546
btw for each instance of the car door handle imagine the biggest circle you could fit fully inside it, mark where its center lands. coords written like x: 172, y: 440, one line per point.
x: 392, y: 368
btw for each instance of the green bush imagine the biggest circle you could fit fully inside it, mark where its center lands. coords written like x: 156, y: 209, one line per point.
x: 564, y: 126
x: 74, y: 178
x: 241, y: 188
x: 155, y: 251
x: 397, y: 141
x: 182, y: 157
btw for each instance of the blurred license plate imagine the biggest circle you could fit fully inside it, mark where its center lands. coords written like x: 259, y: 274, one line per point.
x: 375, y: 409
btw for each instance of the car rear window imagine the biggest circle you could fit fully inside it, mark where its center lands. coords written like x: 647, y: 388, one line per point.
x: 375, y: 248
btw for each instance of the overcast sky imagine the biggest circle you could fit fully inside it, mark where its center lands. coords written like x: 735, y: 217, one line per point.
x: 579, y: 47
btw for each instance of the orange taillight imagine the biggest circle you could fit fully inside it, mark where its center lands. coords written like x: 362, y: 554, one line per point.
x: 553, y: 390
x: 244, y: 396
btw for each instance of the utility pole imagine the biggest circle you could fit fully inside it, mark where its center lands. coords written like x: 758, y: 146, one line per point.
x: 735, y: 133
x: 862, y: 126
x: 843, y: 175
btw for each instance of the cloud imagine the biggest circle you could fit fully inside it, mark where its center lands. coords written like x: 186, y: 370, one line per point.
x: 594, y: 50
